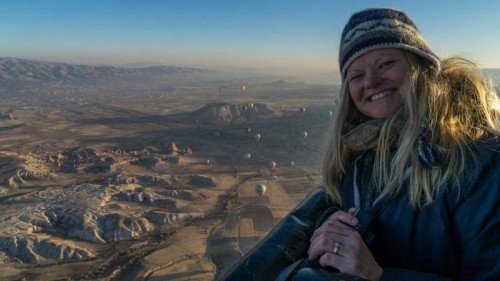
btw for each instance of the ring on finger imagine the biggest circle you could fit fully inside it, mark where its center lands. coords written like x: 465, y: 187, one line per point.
x: 336, y: 248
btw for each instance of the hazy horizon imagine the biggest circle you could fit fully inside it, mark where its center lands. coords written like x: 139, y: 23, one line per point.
x: 311, y: 77
x: 276, y: 37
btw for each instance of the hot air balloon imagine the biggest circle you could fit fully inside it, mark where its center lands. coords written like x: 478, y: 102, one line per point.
x: 243, y: 88
x: 303, y: 109
x: 260, y: 188
x: 304, y: 134
x: 330, y: 113
x: 248, y: 156
x: 292, y: 164
x: 257, y: 137
x: 250, y: 105
x: 272, y: 164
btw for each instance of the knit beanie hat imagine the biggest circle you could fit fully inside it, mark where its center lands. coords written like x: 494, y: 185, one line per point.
x: 379, y: 28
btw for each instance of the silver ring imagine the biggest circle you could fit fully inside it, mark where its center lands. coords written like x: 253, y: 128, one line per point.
x: 336, y: 248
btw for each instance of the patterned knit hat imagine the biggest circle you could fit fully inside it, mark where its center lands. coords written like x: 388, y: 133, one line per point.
x: 379, y: 28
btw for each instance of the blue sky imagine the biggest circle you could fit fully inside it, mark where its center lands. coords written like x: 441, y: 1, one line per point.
x: 275, y: 35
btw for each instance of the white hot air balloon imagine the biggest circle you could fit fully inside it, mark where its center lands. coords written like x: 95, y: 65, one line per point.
x: 272, y: 164
x: 330, y: 113
x: 260, y: 188
x: 257, y: 137
x: 248, y: 156
x: 303, y: 109
x: 243, y: 88
x: 304, y: 134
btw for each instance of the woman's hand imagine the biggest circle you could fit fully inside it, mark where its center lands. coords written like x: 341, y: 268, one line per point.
x: 338, y: 244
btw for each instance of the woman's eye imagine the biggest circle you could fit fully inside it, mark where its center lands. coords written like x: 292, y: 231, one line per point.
x: 387, y: 63
x: 354, y: 77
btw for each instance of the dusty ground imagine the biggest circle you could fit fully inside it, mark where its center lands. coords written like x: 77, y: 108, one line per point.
x: 156, y: 186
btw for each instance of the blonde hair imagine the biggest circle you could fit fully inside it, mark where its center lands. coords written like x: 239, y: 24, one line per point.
x: 455, y: 106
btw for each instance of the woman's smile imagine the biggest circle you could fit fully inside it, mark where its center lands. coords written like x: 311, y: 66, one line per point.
x: 381, y: 95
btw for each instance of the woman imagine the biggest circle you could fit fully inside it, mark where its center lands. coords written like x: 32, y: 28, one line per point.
x: 414, y: 148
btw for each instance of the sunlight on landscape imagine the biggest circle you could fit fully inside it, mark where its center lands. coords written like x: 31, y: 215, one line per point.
x: 167, y: 173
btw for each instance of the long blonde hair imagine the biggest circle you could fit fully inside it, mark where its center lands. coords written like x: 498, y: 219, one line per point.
x: 456, y: 106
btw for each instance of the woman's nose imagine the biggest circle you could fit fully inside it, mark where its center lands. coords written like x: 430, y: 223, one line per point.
x: 372, y: 78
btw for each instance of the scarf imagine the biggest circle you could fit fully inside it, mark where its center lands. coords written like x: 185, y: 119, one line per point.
x: 365, y: 135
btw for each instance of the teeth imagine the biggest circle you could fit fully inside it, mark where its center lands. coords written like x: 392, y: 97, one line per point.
x: 381, y: 95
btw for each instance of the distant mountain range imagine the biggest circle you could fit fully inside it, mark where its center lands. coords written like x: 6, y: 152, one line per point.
x: 16, y: 72
x: 21, y: 70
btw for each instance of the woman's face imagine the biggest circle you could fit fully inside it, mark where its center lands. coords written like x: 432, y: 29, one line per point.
x: 375, y: 82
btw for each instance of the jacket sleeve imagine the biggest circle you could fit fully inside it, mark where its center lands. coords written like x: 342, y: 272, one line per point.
x: 285, y: 244
x: 477, y: 222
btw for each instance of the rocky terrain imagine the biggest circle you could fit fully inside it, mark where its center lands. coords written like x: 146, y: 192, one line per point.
x: 132, y: 183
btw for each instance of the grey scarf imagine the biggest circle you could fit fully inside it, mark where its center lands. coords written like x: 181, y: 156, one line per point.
x: 365, y: 136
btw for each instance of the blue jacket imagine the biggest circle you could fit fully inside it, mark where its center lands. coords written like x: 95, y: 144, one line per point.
x: 455, y: 238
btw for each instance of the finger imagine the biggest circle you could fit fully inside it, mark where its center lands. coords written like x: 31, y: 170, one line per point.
x: 344, y: 217
x: 333, y: 227
x: 327, y: 241
x: 352, y: 261
x: 336, y: 261
x: 329, y: 223
x: 321, y: 244
x: 315, y: 252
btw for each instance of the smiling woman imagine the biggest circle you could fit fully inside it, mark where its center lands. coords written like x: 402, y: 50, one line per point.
x: 411, y: 173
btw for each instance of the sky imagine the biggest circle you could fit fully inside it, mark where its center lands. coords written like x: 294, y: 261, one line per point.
x: 272, y: 35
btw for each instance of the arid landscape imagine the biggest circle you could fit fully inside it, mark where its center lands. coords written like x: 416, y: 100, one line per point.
x: 159, y: 173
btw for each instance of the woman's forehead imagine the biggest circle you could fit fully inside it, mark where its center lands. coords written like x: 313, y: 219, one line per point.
x: 375, y: 55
